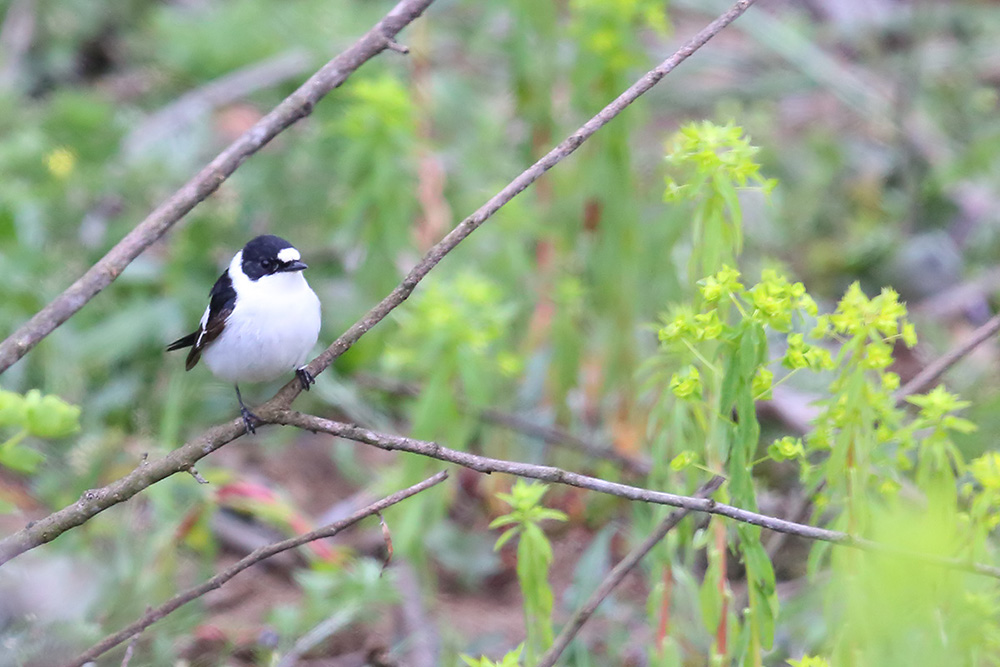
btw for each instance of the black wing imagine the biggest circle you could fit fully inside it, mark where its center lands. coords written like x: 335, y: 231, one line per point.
x: 222, y: 300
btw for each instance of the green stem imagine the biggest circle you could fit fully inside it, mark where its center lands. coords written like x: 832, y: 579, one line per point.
x: 15, y: 439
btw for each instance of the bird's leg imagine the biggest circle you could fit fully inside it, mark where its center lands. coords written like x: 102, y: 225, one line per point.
x: 305, y: 377
x: 248, y: 417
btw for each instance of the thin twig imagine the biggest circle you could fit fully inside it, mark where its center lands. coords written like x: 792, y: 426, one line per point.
x: 257, y: 556
x: 422, y: 645
x: 296, y: 106
x: 129, y: 651
x: 554, y: 475
x: 563, y: 438
x: 933, y: 372
x: 319, y: 633
x: 617, y: 574
x: 174, y: 118
x: 94, y: 502
x: 552, y: 435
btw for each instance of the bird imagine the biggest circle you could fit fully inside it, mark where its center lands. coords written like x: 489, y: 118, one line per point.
x: 262, y: 320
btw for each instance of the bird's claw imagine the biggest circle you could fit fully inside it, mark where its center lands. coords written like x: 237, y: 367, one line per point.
x: 248, y: 420
x: 305, y: 378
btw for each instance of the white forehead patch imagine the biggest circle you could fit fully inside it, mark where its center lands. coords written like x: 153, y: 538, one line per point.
x: 288, y: 255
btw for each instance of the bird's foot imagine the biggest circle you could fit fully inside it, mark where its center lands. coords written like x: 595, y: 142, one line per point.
x: 305, y: 377
x: 248, y: 420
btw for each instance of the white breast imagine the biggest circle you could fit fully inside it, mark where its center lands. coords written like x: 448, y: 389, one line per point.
x: 273, y: 327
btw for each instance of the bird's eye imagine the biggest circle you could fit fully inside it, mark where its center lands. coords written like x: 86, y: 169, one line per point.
x: 266, y: 264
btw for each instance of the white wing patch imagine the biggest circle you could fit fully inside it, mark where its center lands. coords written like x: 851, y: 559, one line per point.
x: 289, y: 255
x: 204, y: 325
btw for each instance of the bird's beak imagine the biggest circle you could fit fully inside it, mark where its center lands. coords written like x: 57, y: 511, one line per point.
x: 296, y: 265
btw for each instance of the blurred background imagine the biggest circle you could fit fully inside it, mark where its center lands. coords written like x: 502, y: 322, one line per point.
x: 878, y: 118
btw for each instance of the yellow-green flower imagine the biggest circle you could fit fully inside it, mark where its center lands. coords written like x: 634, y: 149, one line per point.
x: 60, y: 162
x: 686, y: 384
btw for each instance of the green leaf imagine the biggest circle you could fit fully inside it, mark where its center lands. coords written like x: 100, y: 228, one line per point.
x: 708, y: 596
x: 20, y: 459
x: 50, y: 416
x: 546, y: 513
x: 13, y: 409
x: 505, y: 537
x: 504, y: 520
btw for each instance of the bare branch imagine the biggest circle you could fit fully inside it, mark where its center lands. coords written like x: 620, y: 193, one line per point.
x: 552, y: 435
x: 637, y: 465
x: 96, y: 501
x: 174, y: 118
x: 617, y: 574
x: 127, y: 658
x: 18, y: 344
x: 559, y: 476
x: 257, y: 556
x: 296, y: 106
x: 933, y: 372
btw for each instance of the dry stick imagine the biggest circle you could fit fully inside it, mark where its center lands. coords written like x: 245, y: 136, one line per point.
x: 552, y: 435
x: 933, y: 372
x: 563, y: 438
x: 255, y: 557
x: 559, y: 476
x: 176, y: 116
x: 617, y: 574
x: 296, y: 106
x: 98, y: 500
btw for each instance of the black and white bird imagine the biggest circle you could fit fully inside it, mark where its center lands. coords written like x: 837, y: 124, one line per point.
x: 262, y: 319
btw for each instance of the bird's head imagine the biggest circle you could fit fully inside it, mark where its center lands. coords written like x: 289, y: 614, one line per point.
x: 269, y: 255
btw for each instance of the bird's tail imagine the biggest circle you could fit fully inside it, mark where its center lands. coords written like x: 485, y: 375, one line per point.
x: 186, y: 341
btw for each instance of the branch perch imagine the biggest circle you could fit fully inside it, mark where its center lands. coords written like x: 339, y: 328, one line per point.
x: 253, y: 558
x: 554, y: 475
x: 114, y: 262
x: 296, y: 106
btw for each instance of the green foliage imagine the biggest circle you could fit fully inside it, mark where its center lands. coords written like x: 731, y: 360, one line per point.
x: 809, y: 661
x: 540, y: 313
x: 511, y: 659
x: 534, y: 555
x: 454, y: 338
x: 360, y: 590
x: 377, y: 162
x: 36, y: 415
x: 862, y: 444
x: 605, y: 32
x: 921, y: 614
x: 708, y: 164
